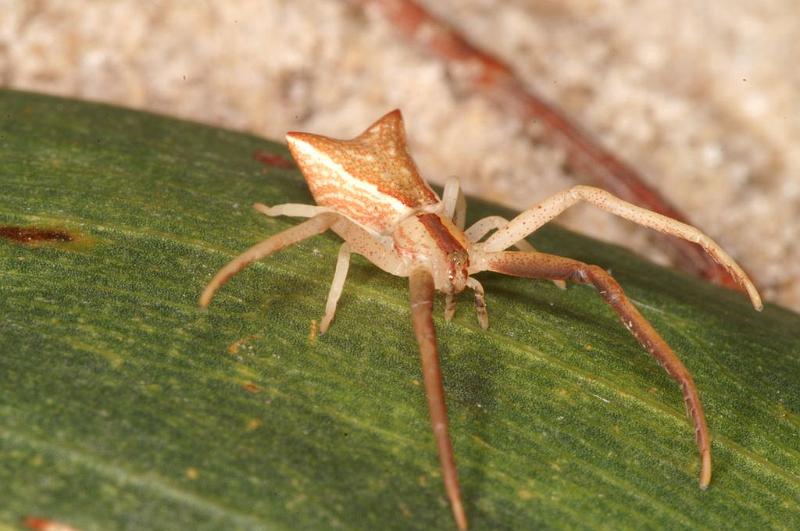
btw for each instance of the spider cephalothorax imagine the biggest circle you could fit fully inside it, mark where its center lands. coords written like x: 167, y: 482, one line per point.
x: 433, y: 240
x: 369, y: 192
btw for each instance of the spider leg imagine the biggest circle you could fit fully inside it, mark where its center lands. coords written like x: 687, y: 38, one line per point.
x: 533, y: 218
x: 294, y: 210
x: 546, y: 266
x: 455, y: 206
x: 482, y: 227
x: 480, y: 302
x: 421, y: 290
x: 342, y: 265
x: 449, y: 306
x: 307, y: 229
x: 376, y: 248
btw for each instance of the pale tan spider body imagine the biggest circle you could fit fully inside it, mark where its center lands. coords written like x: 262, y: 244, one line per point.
x: 434, y: 242
x: 369, y: 192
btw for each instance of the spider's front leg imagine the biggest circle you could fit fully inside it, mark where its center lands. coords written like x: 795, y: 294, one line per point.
x: 484, y: 226
x: 536, y: 216
x: 546, y: 266
x: 422, y: 291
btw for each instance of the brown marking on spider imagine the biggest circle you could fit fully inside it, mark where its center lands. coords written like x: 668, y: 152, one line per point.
x: 273, y: 159
x: 368, y: 191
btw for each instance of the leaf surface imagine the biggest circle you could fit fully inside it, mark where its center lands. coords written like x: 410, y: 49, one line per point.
x: 124, y: 406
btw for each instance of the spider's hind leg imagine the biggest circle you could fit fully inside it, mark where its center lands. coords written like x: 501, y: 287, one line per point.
x: 307, y: 229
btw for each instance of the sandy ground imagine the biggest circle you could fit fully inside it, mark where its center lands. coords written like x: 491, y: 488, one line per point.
x: 701, y: 96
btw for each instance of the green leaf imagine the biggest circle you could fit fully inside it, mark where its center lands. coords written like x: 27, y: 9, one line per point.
x: 124, y: 406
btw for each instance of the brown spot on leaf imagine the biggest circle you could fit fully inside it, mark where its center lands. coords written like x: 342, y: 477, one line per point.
x: 404, y: 510
x: 43, y: 524
x: 313, y: 333
x: 273, y: 159
x: 254, y: 424
x: 524, y: 494
x: 34, y: 235
x: 234, y: 347
x: 250, y: 387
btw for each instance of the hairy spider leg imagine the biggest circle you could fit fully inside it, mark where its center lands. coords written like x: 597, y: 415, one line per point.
x: 376, y: 250
x: 482, y: 227
x: 455, y: 208
x: 536, y: 216
x: 307, y: 229
x: 546, y: 266
x: 421, y: 289
x: 300, y: 210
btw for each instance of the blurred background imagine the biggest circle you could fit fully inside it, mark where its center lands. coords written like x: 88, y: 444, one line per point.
x: 702, y: 97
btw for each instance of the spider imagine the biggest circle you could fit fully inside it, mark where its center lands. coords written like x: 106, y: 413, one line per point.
x: 369, y: 192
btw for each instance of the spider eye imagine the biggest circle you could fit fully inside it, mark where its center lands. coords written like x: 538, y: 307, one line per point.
x: 459, y: 260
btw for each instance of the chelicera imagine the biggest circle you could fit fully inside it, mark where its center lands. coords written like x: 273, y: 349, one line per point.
x: 369, y: 192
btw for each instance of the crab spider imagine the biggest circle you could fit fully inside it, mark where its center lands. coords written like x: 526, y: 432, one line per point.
x: 369, y: 192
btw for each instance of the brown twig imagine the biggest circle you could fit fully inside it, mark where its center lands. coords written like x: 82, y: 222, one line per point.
x: 584, y: 154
